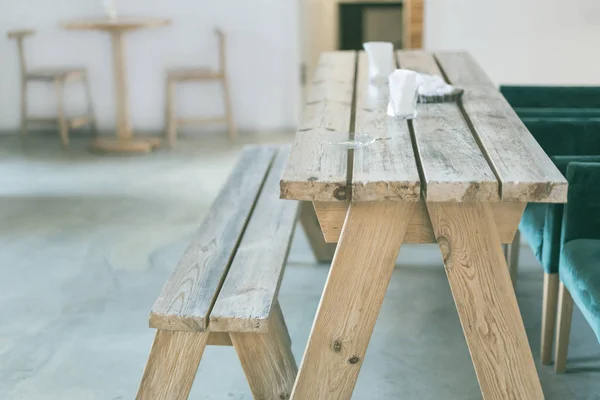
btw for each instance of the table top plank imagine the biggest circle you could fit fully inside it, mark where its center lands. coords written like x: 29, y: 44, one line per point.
x: 525, y: 171
x: 452, y: 164
x: 386, y: 169
x: 317, y: 170
x: 462, y: 67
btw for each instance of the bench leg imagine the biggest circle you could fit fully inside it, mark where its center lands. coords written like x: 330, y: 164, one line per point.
x: 267, y: 359
x: 172, y: 365
x: 322, y: 250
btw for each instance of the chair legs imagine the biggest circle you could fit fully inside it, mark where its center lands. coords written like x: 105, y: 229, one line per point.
x: 62, y: 120
x: 563, y: 329
x: 90, y: 107
x: 548, y: 315
x: 231, y: 129
x: 171, y: 121
x: 23, y: 109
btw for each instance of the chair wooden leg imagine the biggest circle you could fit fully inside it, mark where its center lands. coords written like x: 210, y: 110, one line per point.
x: 322, y: 250
x: 267, y: 359
x: 172, y: 365
x: 231, y: 129
x: 563, y: 329
x: 512, y: 257
x: 23, y: 109
x: 62, y: 119
x: 549, y: 300
x: 171, y: 129
x: 90, y: 106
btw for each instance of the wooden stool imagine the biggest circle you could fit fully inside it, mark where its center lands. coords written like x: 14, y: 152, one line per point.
x: 199, y: 74
x: 60, y: 77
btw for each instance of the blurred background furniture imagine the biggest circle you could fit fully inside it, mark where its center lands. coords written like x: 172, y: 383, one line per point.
x: 59, y: 77
x: 580, y: 254
x: 124, y: 141
x: 562, y: 120
x: 180, y: 75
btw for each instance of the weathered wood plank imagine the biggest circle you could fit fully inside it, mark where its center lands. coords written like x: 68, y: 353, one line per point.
x: 452, y: 163
x: 245, y: 301
x: 267, y: 359
x: 485, y: 300
x: 525, y: 171
x: 332, y: 215
x: 172, y: 365
x: 317, y: 170
x: 462, y: 69
x: 322, y: 250
x: 386, y: 169
x: 355, y: 288
x: 190, y: 292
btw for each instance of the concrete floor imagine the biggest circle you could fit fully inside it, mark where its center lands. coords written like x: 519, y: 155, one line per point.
x: 87, y: 241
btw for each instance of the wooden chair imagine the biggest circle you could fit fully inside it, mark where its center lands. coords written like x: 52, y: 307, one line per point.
x: 199, y: 74
x: 60, y: 77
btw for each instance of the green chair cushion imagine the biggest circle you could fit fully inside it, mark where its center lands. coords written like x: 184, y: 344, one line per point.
x: 532, y: 227
x: 580, y: 273
x: 552, y: 96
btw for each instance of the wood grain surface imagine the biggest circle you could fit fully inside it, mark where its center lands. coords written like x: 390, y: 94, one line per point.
x: 267, y: 360
x: 485, y: 300
x: 190, y: 292
x: 452, y: 164
x: 525, y: 171
x: 386, y: 169
x: 172, y: 365
x: 317, y: 170
x: 245, y: 301
x: 359, y: 276
x: 331, y: 215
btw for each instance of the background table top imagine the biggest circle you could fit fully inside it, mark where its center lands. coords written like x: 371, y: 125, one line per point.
x: 121, y: 23
x: 474, y: 150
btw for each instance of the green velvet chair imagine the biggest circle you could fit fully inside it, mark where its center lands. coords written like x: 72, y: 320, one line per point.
x: 554, y: 101
x: 580, y: 254
x: 541, y: 223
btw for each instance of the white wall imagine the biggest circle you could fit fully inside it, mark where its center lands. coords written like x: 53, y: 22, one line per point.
x: 263, y: 57
x: 521, y: 41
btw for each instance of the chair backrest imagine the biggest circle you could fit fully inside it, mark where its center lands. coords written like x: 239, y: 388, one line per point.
x: 19, y: 35
x: 222, y: 42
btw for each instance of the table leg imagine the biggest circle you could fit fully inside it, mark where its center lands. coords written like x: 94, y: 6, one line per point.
x: 361, y: 270
x: 485, y: 300
x: 124, y: 141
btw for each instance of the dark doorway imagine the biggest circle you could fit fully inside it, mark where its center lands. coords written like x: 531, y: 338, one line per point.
x: 369, y: 21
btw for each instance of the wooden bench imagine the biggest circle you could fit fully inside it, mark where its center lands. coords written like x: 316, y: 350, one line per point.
x: 224, y: 289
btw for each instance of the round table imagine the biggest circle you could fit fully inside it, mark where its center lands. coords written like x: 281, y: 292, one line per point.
x: 124, y: 141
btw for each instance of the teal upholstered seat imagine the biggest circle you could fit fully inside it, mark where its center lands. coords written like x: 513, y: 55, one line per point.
x: 532, y: 227
x: 580, y: 273
x: 580, y: 254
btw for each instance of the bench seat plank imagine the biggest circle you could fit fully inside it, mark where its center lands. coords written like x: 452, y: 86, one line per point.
x: 249, y: 292
x: 190, y: 292
x: 453, y: 166
x: 526, y: 173
x: 386, y: 169
x: 317, y: 170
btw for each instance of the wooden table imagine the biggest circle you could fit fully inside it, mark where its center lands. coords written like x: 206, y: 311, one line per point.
x: 459, y: 175
x: 124, y: 141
